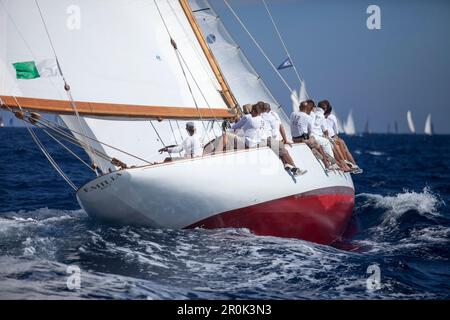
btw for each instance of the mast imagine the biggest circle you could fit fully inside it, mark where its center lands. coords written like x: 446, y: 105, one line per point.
x: 226, y: 90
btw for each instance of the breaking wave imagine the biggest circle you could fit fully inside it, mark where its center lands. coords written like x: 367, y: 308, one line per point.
x: 402, y: 222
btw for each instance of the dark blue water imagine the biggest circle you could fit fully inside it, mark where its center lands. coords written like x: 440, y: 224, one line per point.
x: 402, y: 212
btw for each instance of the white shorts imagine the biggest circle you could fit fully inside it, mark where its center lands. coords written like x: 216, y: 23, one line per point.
x: 326, y: 145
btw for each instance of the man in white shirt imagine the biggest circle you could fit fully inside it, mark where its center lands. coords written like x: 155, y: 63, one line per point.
x: 246, y: 133
x: 237, y: 126
x: 301, y: 128
x: 275, y: 136
x: 192, y: 145
x: 319, y: 128
x: 333, y: 131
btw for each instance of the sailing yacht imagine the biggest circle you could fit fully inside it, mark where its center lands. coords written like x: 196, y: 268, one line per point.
x: 429, y: 126
x: 124, y: 80
x: 411, y: 126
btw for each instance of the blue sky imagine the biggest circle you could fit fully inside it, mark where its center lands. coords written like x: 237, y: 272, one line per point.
x: 379, y: 74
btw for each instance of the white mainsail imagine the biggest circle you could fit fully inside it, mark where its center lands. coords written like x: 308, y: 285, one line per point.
x: 428, y: 126
x: 409, y: 118
x: 119, y: 53
x: 349, y: 126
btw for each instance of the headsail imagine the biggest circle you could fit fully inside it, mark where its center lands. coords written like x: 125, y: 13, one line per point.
x: 409, y: 118
x: 429, y: 126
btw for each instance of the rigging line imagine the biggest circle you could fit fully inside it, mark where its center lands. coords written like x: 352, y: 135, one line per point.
x: 198, y: 87
x: 196, y: 50
x: 159, y: 137
x: 179, y: 130
x: 46, y: 154
x: 214, y: 83
x: 68, y: 149
x: 50, y: 159
x: 73, y: 141
x: 177, y: 54
x: 173, y: 133
x: 258, y: 46
x: 102, y: 143
x: 66, y: 86
x: 282, y: 40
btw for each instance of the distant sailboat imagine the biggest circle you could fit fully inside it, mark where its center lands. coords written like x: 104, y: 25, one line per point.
x: 11, y: 122
x: 429, y: 126
x: 366, y: 128
x: 411, y: 126
x: 349, y: 126
x: 298, y: 98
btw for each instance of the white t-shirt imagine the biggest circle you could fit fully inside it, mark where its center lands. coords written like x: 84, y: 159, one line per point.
x: 301, y: 123
x: 332, y: 125
x: 253, y: 131
x: 192, y: 147
x: 319, y: 123
x: 271, y: 126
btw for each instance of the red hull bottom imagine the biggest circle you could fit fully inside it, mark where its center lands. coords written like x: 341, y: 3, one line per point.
x: 319, y: 216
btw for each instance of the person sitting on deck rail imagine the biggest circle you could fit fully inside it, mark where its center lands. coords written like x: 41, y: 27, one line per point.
x: 333, y: 131
x: 301, y: 128
x: 246, y: 109
x: 191, y: 145
x: 247, y: 132
x: 276, y: 139
x: 321, y: 134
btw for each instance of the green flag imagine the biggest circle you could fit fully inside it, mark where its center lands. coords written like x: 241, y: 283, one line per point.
x: 26, y: 70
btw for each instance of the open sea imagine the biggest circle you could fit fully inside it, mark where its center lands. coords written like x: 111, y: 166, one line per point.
x: 401, y: 228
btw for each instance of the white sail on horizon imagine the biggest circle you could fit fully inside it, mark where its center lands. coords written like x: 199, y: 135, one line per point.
x: 349, y: 126
x: 409, y: 118
x: 428, y: 126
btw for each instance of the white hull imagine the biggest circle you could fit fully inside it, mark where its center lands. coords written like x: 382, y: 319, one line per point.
x: 182, y: 193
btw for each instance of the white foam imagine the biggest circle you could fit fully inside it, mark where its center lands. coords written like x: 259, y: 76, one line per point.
x: 375, y: 153
x: 425, y: 203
